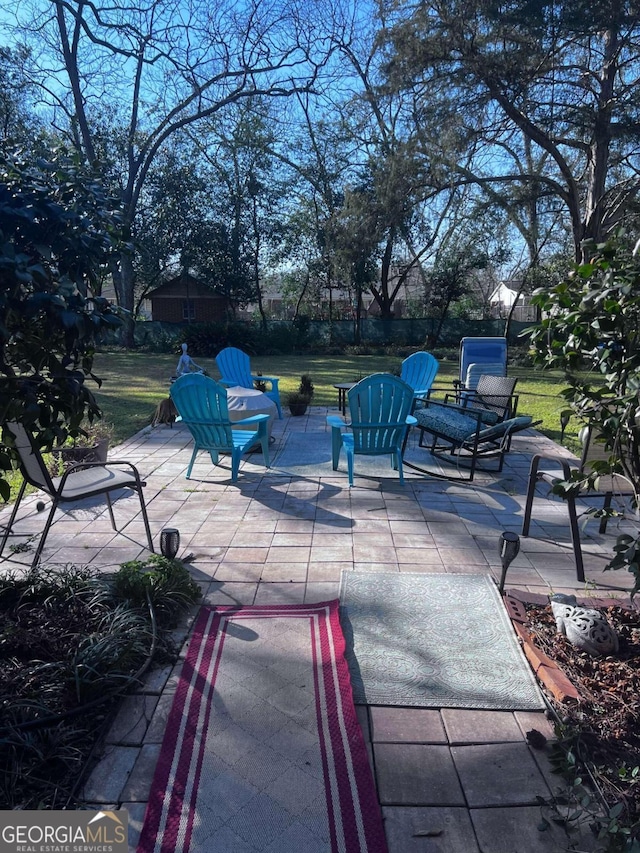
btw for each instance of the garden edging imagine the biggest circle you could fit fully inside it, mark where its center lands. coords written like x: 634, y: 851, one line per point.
x: 545, y: 669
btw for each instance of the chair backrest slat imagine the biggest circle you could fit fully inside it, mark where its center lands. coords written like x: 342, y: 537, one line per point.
x: 235, y: 367
x: 202, y: 404
x: 378, y: 408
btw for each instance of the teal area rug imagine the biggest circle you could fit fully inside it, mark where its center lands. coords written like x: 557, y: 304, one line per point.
x: 433, y: 641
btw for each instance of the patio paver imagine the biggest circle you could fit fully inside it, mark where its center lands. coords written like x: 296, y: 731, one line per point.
x: 449, y: 780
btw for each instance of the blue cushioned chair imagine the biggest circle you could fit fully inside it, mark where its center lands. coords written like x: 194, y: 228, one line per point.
x: 419, y: 370
x: 202, y: 406
x: 460, y: 435
x: 380, y: 416
x: 235, y: 369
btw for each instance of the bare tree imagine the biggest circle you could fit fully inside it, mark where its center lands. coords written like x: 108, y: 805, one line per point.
x: 160, y: 67
x: 561, y: 78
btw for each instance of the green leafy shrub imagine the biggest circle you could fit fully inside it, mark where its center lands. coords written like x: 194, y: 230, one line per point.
x: 591, y: 324
x: 58, y: 229
x: 163, y: 582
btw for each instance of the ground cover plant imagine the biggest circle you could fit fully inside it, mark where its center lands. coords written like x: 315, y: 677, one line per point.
x: 72, y: 641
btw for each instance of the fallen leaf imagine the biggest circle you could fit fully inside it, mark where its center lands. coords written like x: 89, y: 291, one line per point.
x: 536, y: 739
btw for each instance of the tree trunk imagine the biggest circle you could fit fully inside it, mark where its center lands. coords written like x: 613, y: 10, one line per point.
x: 124, y: 281
x: 381, y: 294
x: 600, y: 147
x: 357, y: 323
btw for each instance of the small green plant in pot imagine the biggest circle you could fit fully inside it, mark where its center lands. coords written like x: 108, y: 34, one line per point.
x: 91, y: 446
x: 299, y: 400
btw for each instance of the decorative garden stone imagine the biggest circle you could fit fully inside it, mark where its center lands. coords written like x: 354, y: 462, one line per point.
x: 585, y: 628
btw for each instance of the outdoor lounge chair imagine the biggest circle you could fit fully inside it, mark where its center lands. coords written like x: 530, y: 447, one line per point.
x: 235, y: 370
x: 493, y: 397
x: 481, y: 356
x: 202, y: 406
x: 380, y: 415
x: 84, y: 480
x: 461, y: 436
x: 558, y: 469
x: 419, y: 370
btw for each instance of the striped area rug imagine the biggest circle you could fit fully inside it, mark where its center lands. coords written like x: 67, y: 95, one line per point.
x: 263, y: 750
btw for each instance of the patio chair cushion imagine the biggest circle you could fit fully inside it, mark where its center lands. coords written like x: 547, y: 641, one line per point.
x: 511, y: 425
x: 447, y: 421
x: 450, y: 422
x: 487, y: 416
x: 476, y: 370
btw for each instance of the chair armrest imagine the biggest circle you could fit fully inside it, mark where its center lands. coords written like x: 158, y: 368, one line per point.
x: 268, y: 381
x: 80, y: 466
x: 563, y: 467
x: 253, y: 419
x: 440, y: 388
x: 108, y: 464
x: 336, y: 422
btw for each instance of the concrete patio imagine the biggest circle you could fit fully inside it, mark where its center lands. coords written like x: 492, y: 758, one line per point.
x: 450, y: 780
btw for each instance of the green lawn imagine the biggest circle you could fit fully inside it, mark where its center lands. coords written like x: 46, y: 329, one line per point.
x: 134, y: 383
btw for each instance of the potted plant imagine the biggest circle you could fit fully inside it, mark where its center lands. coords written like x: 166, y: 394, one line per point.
x: 91, y: 446
x: 299, y: 400
x: 306, y: 386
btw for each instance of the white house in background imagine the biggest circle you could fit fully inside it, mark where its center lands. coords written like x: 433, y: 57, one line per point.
x: 504, y: 297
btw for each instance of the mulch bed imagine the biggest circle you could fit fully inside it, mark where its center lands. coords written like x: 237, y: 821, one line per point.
x: 604, y: 704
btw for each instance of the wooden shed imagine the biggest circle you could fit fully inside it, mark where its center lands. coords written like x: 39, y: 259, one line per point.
x: 184, y: 299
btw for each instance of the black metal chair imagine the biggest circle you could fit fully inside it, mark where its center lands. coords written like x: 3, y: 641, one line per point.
x: 494, y: 397
x: 558, y: 469
x: 462, y: 436
x: 84, y: 480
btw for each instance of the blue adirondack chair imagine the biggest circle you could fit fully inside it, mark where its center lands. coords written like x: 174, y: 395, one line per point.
x: 380, y: 415
x: 235, y: 369
x: 202, y: 406
x: 419, y: 370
